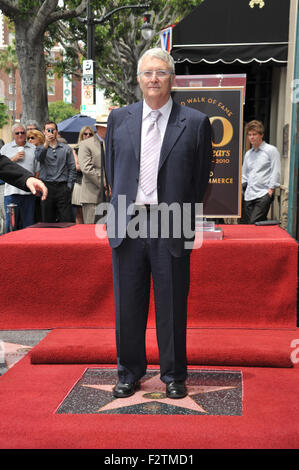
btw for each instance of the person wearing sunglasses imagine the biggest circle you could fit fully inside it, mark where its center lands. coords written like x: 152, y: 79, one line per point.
x: 58, y: 172
x: 158, y: 153
x: 35, y: 137
x: 91, y: 156
x: 23, y: 153
x: 85, y: 133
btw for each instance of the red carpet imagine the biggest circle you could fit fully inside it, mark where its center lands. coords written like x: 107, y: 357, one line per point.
x: 62, y: 277
x: 264, y: 348
x: 30, y: 395
x: 242, y: 312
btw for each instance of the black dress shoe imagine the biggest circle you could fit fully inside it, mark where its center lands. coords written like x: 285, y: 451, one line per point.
x: 122, y: 390
x: 176, y: 390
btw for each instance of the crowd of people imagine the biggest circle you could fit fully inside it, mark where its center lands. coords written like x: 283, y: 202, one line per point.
x: 76, y: 182
x: 71, y: 173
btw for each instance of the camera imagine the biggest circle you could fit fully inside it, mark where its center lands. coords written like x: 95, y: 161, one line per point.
x: 50, y: 130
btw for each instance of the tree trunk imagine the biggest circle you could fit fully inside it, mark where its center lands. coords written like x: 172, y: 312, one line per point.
x: 32, y: 69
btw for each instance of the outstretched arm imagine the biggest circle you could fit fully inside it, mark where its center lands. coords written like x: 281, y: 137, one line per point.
x: 37, y: 187
x: 17, y: 176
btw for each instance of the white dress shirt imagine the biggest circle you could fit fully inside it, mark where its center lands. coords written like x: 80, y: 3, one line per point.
x: 165, y: 111
x: 261, y: 171
x: 29, y: 163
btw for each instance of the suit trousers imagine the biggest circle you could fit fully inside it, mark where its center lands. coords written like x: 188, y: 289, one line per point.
x: 135, y: 261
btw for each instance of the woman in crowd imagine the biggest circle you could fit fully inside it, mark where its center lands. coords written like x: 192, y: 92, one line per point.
x: 85, y: 133
x: 36, y: 138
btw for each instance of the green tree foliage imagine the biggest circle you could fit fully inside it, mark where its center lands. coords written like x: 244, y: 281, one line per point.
x: 8, y: 58
x: 9, y: 63
x: 39, y: 24
x: 4, y: 119
x: 119, y: 43
x: 33, y: 21
x: 59, y: 111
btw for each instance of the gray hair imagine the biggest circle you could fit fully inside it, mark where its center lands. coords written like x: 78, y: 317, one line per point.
x: 15, y: 127
x: 157, y: 53
x: 33, y: 123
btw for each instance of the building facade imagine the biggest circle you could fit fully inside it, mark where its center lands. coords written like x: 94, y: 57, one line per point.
x: 259, y: 39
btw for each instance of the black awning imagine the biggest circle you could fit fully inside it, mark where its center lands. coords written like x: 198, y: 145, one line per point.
x: 231, y: 31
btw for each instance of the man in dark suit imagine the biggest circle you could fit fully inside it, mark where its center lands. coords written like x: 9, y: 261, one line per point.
x: 14, y: 174
x: 176, y: 172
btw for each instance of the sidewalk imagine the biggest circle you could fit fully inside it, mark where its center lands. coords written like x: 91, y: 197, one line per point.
x: 15, y: 344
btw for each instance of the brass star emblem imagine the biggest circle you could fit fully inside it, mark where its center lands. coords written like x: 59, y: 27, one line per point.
x: 259, y: 3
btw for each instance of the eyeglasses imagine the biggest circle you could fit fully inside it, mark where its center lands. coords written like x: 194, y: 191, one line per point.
x: 88, y: 133
x: 51, y: 130
x: 31, y: 138
x: 158, y: 73
x: 20, y: 133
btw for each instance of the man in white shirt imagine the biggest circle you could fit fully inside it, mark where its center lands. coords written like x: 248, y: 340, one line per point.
x: 260, y: 174
x: 22, y: 153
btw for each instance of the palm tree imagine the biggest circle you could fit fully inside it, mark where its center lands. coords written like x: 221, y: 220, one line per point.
x: 9, y: 63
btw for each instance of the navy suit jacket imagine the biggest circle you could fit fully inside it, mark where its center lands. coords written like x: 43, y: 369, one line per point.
x: 184, y: 165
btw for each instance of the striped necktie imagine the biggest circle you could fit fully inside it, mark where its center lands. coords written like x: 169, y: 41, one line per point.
x: 150, y: 154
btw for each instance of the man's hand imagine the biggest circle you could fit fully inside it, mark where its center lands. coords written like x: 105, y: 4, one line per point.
x: 37, y: 187
x: 110, y: 192
x: 18, y: 156
x: 50, y: 138
x: 270, y: 192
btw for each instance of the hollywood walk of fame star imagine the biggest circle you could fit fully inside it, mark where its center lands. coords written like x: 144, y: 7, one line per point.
x: 153, y: 391
x: 12, y: 352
